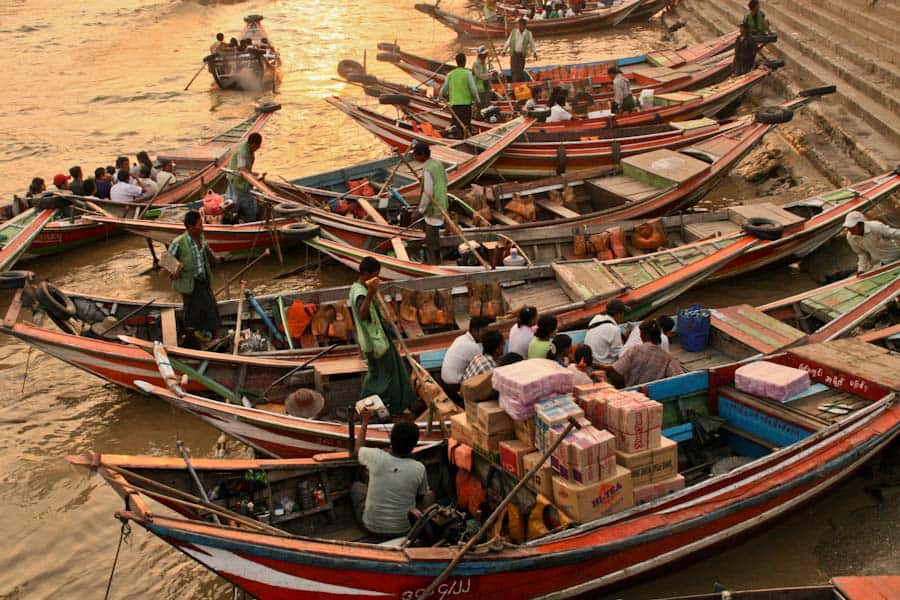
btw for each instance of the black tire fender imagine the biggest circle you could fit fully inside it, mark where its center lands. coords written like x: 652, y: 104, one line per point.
x: 299, y: 231
x: 388, y: 47
x: 388, y: 57
x: 764, y: 229
x: 818, y: 91
x: 51, y: 201
x: 373, y: 91
x: 290, y: 211
x: 13, y: 280
x: 347, y: 66
x: 363, y: 78
x: 55, y: 301
x: 772, y: 115
x: 773, y: 65
x: 394, y: 99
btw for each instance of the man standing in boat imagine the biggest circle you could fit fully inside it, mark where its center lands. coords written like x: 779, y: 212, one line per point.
x: 518, y: 45
x: 461, y: 91
x: 432, y: 201
x: 756, y: 19
x: 744, y: 51
x: 239, y: 188
x: 194, y: 279
x: 874, y: 243
x: 387, y: 376
x: 482, y: 75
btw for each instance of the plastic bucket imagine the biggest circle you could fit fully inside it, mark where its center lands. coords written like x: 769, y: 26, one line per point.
x: 693, y: 328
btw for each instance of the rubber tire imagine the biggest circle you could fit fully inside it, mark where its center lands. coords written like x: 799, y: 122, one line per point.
x: 298, y: 232
x: 765, y: 38
x: 363, y: 78
x: 818, y: 91
x: 55, y: 301
x: 582, y: 102
x: 772, y: 115
x: 52, y: 201
x: 13, y: 280
x: 764, y: 229
x: 373, y: 91
x: 394, y: 99
x: 388, y: 47
x: 347, y: 66
x: 773, y: 65
x: 289, y: 211
x: 388, y: 57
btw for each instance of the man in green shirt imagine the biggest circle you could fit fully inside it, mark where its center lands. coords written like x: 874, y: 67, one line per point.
x: 756, y: 19
x: 387, y: 376
x: 239, y: 188
x: 519, y: 43
x: 459, y: 88
x: 432, y: 200
x: 194, y: 280
x: 482, y: 75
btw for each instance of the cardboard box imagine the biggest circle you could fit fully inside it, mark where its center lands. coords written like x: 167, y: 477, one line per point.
x: 646, y: 440
x: 590, y: 473
x: 550, y: 435
x: 489, y: 443
x: 584, y: 446
x: 542, y: 481
x: 652, y: 491
x: 550, y: 414
x: 581, y: 391
x: 524, y: 431
x: 588, y: 502
x: 634, y: 420
x: 511, y: 454
x: 651, y: 466
x: 471, y: 410
x: 493, y: 419
x: 478, y: 388
x: 461, y: 431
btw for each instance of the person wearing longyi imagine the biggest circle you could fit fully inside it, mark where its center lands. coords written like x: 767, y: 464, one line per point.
x: 432, y: 201
x: 518, y: 45
x: 461, y: 92
x: 194, y: 280
x: 387, y: 376
x: 239, y: 188
x: 874, y: 243
x: 483, y: 76
x: 644, y: 363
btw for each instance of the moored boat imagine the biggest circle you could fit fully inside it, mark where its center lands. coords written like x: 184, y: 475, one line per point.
x: 790, y: 455
x: 254, y: 64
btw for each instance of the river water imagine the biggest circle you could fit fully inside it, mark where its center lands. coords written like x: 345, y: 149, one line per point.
x: 87, y: 81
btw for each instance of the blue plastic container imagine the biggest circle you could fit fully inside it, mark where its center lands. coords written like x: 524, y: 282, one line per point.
x: 693, y: 328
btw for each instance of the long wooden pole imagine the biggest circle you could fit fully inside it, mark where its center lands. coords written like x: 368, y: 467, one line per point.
x: 237, y: 324
x: 187, y: 462
x: 573, y: 424
x: 203, y: 66
x: 240, y: 273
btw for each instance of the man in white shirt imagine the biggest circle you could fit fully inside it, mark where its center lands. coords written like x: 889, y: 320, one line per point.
x: 539, y: 14
x: 604, y: 336
x: 122, y: 191
x: 557, y: 109
x: 518, y: 45
x: 460, y: 354
x: 165, y: 178
x: 874, y: 243
x: 666, y: 325
x: 623, y: 100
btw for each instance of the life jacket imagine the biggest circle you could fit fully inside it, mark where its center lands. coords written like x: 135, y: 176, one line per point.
x: 299, y: 316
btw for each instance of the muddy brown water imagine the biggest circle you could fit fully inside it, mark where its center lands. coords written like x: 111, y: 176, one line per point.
x: 90, y: 80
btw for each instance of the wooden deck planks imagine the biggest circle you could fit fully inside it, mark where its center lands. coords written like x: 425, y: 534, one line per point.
x: 755, y: 329
x: 169, y: 327
x: 856, y: 357
x: 587, y: 280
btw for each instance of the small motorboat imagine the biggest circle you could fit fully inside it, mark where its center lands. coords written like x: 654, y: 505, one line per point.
x: 253, y: 64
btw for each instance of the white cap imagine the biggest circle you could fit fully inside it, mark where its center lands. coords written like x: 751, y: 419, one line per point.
x: 482, y: 51
x: 853, y: 219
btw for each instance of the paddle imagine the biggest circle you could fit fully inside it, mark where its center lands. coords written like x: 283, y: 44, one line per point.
x: 573, y: 424
x: 190, y: 467
x: 237, y: 325
x: 305, y: 364
x: 203, y: 66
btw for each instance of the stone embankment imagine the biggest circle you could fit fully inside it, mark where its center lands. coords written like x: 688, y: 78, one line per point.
x: 850, y: 44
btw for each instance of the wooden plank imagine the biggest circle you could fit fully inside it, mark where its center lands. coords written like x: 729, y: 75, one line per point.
x: 587, y: 281
x: 503, y: 218
x: 169, y: 327
x: 766, y: 210
x: 755, y: 329
x: 661, y: 168
x: 868, y: 588
x: 545, y: 295
x: 867, y: 361
x: 371, y: 211
x: 340, y: 366
x: 557, y: 209
x: 700, y: 231
x: 399, y: 248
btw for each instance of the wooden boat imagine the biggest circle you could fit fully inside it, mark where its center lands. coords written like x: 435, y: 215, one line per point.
x: 255, y: 67
x: 807, y: 224
x: 573, y: 291
x: 22, y: 231
x: 738, y: 333
x: 307, y: 198
x: 792, y: 453
x: 199, y: 168
x: 839, y: 588
x: 587, y: 21
x: 553, y: 147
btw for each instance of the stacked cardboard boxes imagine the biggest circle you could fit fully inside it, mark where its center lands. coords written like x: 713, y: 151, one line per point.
x: 635, y: 420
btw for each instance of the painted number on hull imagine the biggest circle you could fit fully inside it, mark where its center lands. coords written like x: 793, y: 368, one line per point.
x: 454, y: 587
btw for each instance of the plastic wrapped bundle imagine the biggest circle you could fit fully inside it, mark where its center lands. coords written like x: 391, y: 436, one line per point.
x: 523, y: 383
x: 635, y: 421
x: 771, y: 380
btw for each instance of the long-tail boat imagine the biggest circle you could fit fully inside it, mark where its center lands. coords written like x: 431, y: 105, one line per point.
x: 199, y: 168
x: 753, y: 460
x: 587, y: 21
x: 254, y: 66
x: 573, y: 291
x: 738, y: 333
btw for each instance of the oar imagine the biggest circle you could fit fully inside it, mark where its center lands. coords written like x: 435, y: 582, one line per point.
x: 153, y: 199
x: 452, y: 225
x: 390, y: 178
x: 203, y: 66
x: 573, y: 424
x: 131, y: 314
x: 305, y: 364
x: 187, y: 462
x: 237, y: 325
x: 264, y: 254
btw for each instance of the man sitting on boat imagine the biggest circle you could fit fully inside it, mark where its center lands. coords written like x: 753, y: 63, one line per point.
x: 126, y: 188
x: 603, y: 334
x: 492, y: 346
x: 219, y: 45
x: 644, y: 363
x: 239, y: 188
x: 558, y: 110
x: 397, y: 482
x: 387, y: 376
x: 874, y: 243
x: 166, y: 178
x: 460, y: 353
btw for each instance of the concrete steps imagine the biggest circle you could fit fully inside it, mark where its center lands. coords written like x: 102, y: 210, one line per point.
x: 862, y: 116
x: 885, y: 13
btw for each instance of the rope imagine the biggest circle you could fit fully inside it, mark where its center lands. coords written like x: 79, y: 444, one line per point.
x: 123, y: 535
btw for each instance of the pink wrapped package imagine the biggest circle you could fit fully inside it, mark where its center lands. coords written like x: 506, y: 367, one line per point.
x: 555, y: 414
x: 525, y: 382
x: 594, y: 406
x: 583, y: 446
x: 587, y: 389
x: 771, y: 380
x: 635, y: 421
x: 585, y: 474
